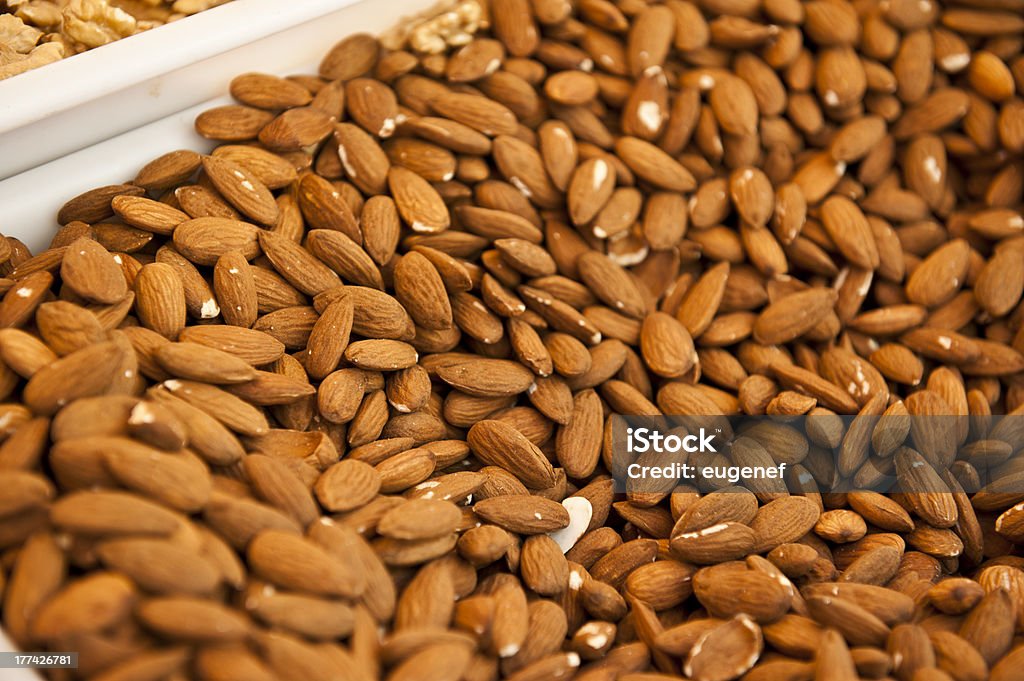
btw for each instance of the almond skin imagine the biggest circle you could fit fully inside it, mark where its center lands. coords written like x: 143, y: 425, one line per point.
x: 500, y: 444
x: 91, y: 271
x: 666, y: 345
x: 793, y: 315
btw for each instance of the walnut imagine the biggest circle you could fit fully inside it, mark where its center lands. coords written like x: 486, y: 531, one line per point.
x: 9, y: 56
x: 452, y: 28
x: 471, y: 15
x: 195, y: 6
x: 424, y: 39
x: 70, y: 46
x: 144, y: 10
x: 40, y: 13
x: 94, y: 22
x: 16, y: 35
x: 40, y: 56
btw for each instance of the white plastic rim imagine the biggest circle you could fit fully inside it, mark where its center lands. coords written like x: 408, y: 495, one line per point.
x: 31, y: 198
x: 76, y: 102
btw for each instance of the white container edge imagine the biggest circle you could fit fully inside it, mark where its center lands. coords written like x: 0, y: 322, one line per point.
x: 74, y: 103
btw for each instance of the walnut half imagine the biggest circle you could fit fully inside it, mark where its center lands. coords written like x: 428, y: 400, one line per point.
x: 16, y: 35
x: 449, y: 29
x: 190, y: 7
x: 94, y: 22
x: 40, y: 56
x: 42, y: 14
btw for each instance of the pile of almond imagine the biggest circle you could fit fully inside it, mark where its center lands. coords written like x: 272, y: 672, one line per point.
x: 333, y: 401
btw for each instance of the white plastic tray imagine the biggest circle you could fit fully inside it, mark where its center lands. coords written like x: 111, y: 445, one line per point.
x: 64, y: 130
